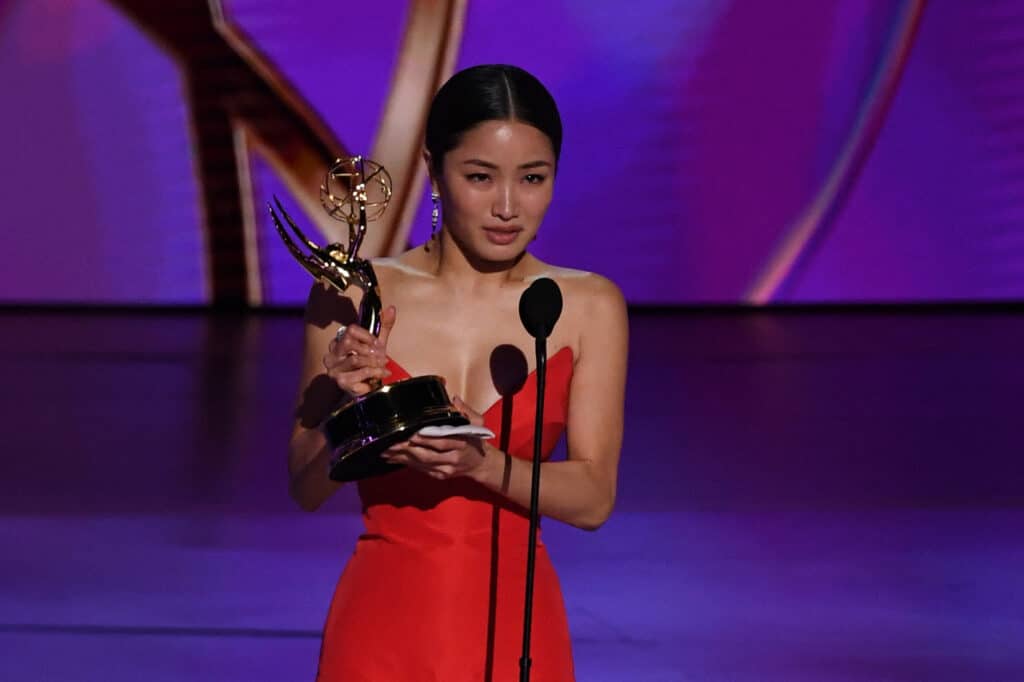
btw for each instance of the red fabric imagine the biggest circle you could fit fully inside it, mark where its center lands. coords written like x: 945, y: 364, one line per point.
x: 434, y: 590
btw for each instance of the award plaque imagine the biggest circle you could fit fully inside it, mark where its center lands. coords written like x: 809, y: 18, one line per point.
x: 357, y: 190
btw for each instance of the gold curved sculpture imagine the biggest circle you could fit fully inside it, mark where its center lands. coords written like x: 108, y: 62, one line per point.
x: 240, y: 101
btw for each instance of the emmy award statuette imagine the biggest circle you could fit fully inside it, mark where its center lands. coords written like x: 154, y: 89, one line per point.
x: 357, y: 190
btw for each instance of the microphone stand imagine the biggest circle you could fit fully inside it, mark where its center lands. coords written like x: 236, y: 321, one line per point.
x: 531, y: 551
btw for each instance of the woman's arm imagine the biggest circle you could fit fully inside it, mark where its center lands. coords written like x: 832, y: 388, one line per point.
x: 330, y: 371
x: 308, y: 455
x: 581, y: 490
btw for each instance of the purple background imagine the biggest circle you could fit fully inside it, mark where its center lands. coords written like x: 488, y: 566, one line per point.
x: 696, y: 133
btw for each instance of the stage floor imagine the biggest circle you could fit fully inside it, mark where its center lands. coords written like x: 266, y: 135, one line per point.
x: 805, y: 496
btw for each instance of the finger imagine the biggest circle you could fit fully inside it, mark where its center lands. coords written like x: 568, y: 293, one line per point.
x: 348, y: 345
x: 427, y: 457
x: 349, y: 381
x: 395, y: 450
x: 474, y: 417
x: 395, y: 457
x: 366, y: 373
x: 337, y: 367
x: 437, y: 444
x: 400, y: 448
x: 387, y: 323
x: 440, y: 469
x: 346, y: 363
x: 357, y: 389
x: 357, y: 333
x: 405, y: 459
x: 354, y: 361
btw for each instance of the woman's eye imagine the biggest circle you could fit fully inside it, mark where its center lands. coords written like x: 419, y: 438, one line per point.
x: 535, y: 178
x: 478, y: 177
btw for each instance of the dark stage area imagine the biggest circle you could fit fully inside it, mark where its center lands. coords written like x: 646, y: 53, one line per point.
x: 827, y: 495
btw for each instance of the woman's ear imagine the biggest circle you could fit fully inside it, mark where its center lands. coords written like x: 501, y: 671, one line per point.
x: 427, y: 159
x: 432, y: 172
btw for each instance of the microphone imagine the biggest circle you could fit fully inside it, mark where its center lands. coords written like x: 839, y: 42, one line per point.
x: 540, y: 307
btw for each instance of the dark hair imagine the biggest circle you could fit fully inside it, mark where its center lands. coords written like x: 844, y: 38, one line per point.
x: 490, y: 92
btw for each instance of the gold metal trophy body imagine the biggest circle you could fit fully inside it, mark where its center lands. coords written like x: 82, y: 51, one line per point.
x: 362, y: 427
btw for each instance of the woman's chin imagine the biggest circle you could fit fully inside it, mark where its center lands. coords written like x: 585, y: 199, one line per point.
x: 503, y: 255
x: 488, y: 256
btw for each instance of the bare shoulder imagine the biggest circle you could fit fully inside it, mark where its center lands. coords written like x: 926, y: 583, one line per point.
x: 603, y: 306
x: 593, y: 304
x: 406, y: 268
x: 587, y: 290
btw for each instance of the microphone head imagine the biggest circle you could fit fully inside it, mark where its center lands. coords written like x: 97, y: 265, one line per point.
x: 540, y: 306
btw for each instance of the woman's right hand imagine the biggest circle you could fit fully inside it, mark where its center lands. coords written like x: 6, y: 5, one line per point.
x: 357, y: 357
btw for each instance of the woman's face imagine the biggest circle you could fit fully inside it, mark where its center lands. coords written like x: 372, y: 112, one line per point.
x: 496, y: 186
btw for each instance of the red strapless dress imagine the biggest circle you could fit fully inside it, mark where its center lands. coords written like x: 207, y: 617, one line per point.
x: 434, y: 589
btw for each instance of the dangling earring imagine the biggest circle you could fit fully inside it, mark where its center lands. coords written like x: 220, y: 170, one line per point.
x: 435, y: 199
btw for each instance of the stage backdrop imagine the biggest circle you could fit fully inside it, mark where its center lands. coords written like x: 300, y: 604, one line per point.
x: 716, y: 151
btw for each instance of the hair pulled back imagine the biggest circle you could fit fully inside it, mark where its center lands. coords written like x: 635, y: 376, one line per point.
x: 490, y: 92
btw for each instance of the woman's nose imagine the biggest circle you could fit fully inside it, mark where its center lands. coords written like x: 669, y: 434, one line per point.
x: 505, y: 203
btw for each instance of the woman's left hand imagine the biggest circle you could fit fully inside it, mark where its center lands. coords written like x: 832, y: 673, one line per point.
x: 445, y: 456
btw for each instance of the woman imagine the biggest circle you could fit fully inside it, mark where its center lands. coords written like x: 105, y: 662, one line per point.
x: 434, y: 589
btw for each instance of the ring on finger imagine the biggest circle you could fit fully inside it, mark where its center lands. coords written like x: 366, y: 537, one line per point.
x: 341, y: 332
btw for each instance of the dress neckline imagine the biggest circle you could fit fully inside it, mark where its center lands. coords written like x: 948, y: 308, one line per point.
x: 532, y: 376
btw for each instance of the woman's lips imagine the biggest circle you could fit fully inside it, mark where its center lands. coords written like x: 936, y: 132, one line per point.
x: 502, y: 235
